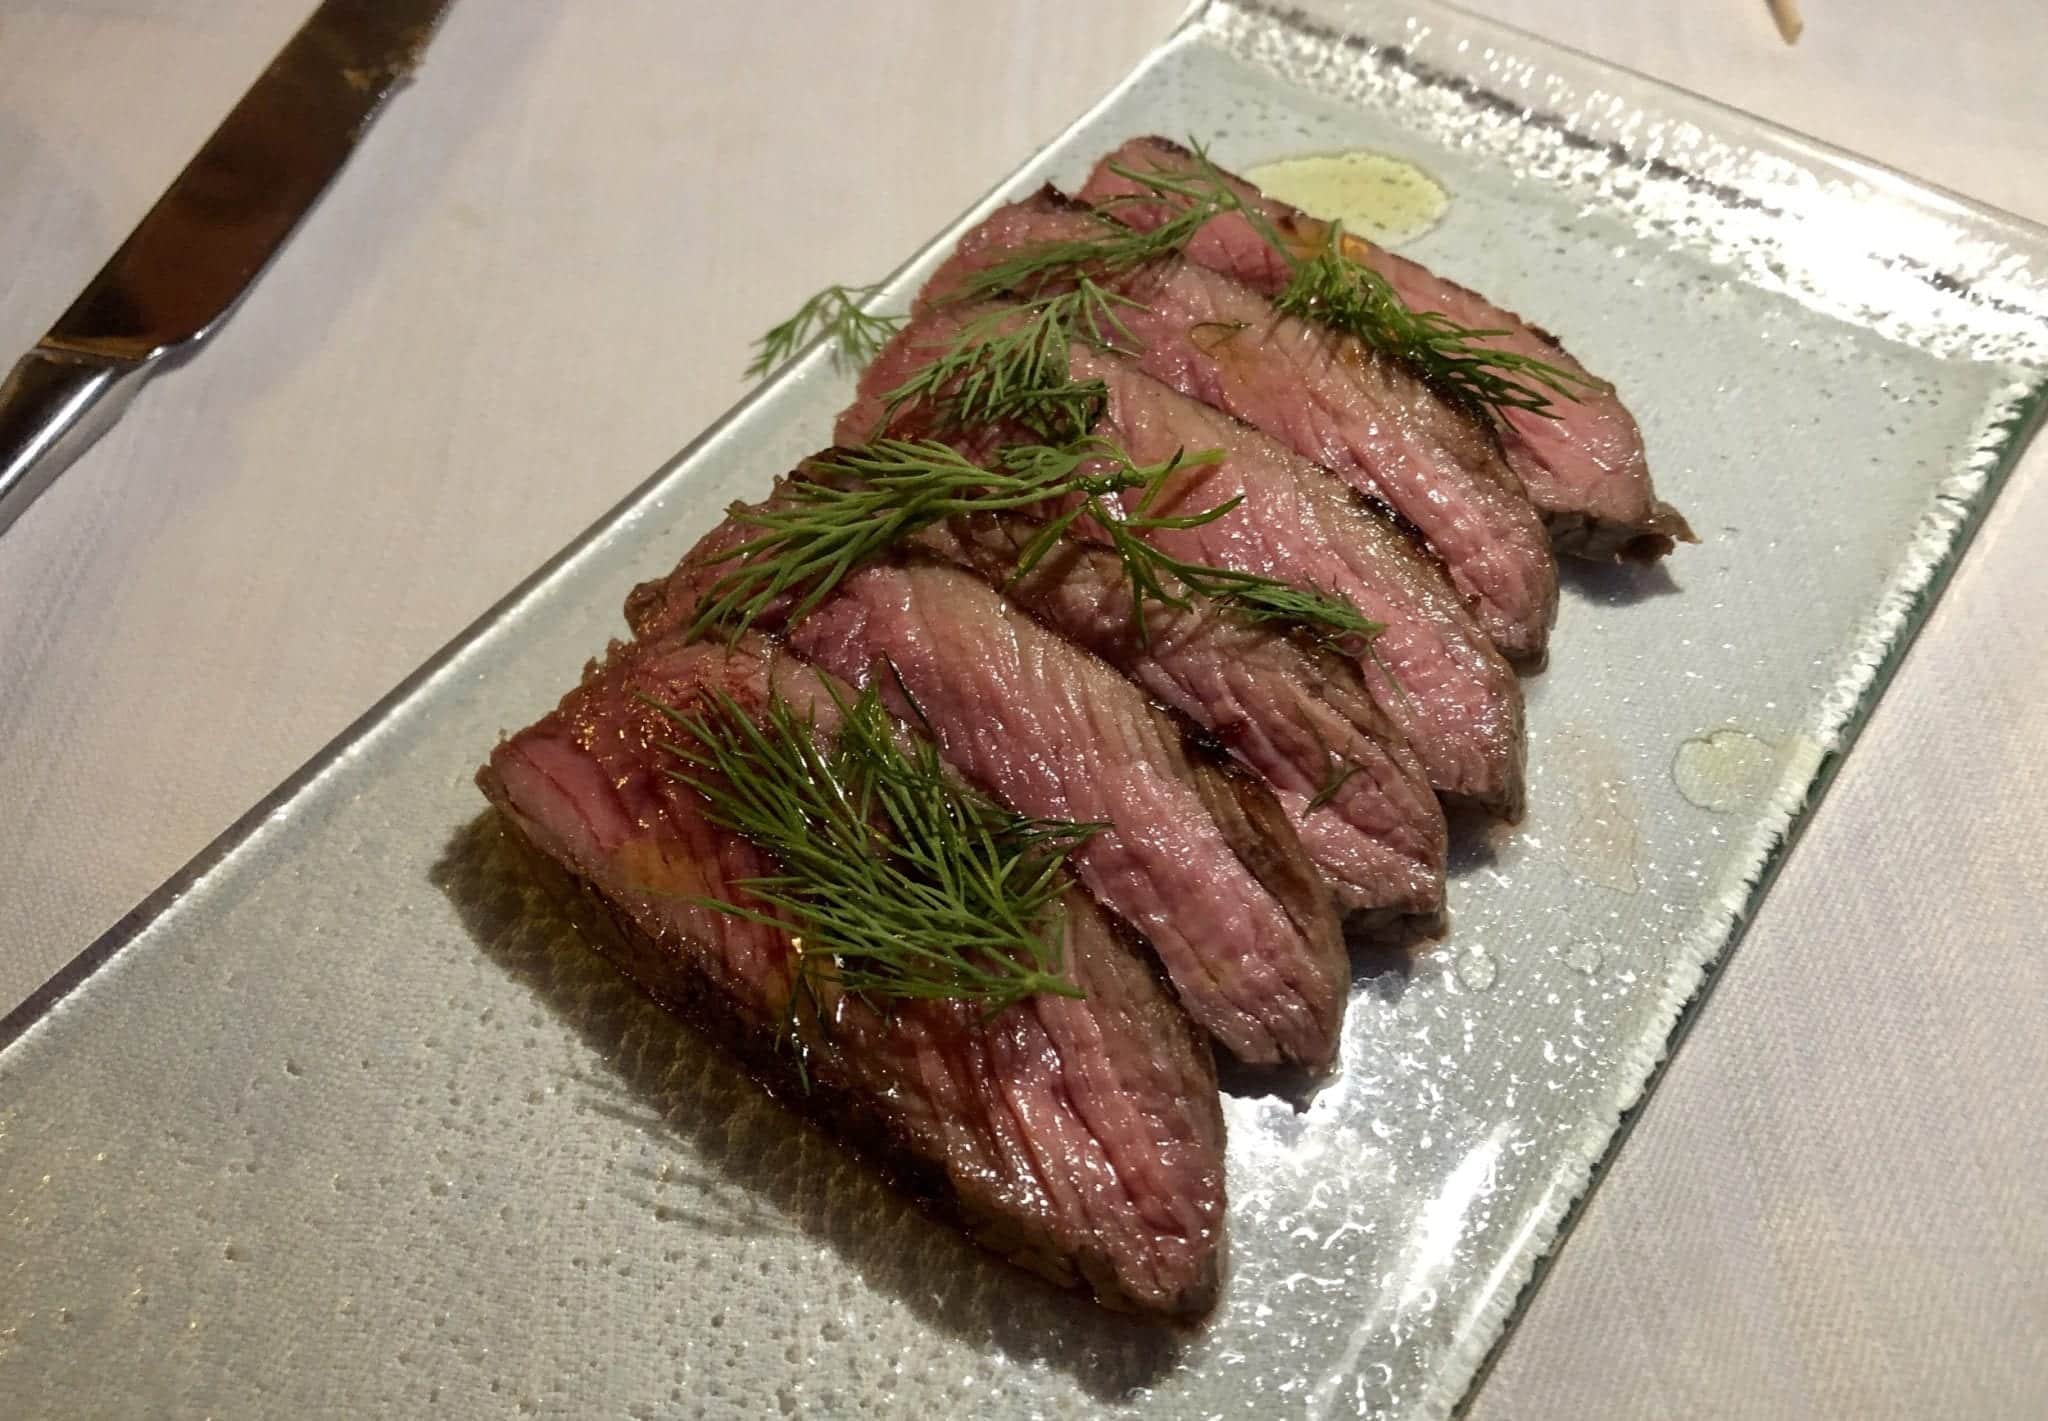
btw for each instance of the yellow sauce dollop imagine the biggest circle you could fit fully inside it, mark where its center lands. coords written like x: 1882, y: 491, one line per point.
x: 1372, y: 194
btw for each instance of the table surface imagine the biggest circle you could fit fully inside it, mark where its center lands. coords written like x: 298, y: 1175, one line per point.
x: 538, y: 279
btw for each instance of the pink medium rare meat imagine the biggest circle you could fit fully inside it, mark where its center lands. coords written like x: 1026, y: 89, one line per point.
x: 1203, y: 863
x: 1582, y: 463
x: 1431, y: 671
x: 1358, y: 413
x: 1079, y: 1137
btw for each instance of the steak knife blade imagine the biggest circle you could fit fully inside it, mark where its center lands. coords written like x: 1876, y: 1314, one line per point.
x: 209, y: 236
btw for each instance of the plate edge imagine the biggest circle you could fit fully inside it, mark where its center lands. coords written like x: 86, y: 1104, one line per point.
x: 46, y: 997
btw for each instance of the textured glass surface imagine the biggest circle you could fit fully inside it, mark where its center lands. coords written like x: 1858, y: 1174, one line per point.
x: 349, y: 1124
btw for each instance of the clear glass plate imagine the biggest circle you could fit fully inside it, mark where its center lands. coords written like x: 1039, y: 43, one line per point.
x: 344, y: 1121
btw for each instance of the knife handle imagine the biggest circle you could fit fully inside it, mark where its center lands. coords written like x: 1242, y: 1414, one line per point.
x: 54, y: 404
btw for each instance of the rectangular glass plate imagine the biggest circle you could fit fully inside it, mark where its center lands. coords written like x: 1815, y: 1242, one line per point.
x: 344, y: 1121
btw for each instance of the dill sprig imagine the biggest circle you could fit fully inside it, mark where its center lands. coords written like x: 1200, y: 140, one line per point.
x: 1010, y: 366
x: 1327, y: 617
x: 1154, y: 575
x: 1327, y: 287
x: 838, y: 311
x: 896, y: 881
x: 1340, y: 773
x: 1337, y: 770
x: 1332, y: 290
x: 1119, y: 251
x: 990, y: 373
x: 864, y: 501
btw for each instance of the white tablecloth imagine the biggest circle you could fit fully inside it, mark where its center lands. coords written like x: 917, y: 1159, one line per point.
x: 538, y: 279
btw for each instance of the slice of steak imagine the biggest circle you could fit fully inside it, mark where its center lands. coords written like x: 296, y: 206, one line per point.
x: 1298, y: 716
x: 1431, y: 671
x: 1080, y: 1137
x: 1582, y: 463
x: 1200, y: 861
x: 1356, y: 412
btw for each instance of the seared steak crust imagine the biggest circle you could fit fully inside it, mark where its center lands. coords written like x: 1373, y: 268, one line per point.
x: 1431, y: 672
x: 1582, y: 464
x: 1358, y: 413
x: 1297, y: 716
x: 1199, y: 861
x: 1080, y: 1137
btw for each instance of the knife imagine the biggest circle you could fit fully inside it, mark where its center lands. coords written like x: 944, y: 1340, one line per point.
x: 209, y: 236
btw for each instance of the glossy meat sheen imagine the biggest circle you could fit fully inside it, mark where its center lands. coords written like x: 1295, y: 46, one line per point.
x: 1582, y: 464
x: 1079, y: 1137
x: 1201, y: 863
x: 1300, y: 718
x: 1431, y: 671
x: 1204, y: 864
x: 1357, y: 413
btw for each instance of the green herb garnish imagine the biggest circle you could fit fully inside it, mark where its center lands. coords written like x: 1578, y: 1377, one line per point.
x: 1010, y: 366
x: 867, y: 500
x: 896, y: 881
x: 1328, y: 617
x: 1340, y: 774
x: 1151, y: 572
x: 1119, y: 251
x: 1337, y: 771
x: 838, y: 311
x: 1021, y: 374
x: 1332, y: 290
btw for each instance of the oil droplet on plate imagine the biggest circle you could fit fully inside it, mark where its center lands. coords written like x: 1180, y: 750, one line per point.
x: 1372, y: 194
x: 1582, y: 957
x: 1724, y: 770
x: 1604, y: 841
x: 1475, y: 969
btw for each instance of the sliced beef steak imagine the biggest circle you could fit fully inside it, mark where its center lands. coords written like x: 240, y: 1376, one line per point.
x: 1299, y: 717
x: 1582, y: 464
x: 1202, y: 862
x: 1081, y: 1137
x: 1356, y: 412
x: 1431, y: 671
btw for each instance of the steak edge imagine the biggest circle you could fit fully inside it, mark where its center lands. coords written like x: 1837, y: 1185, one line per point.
x: 1079, y: 1137
x: 1354, y: 411
x: 1203, y: 864
x: 1432, y: 672
x: 1582, y: 464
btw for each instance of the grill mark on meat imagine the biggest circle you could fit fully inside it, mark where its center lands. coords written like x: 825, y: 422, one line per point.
x: 1585, y: 470
x: 1081, y: 1138
x: 1358, y: 413
x: 1431, y: 672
